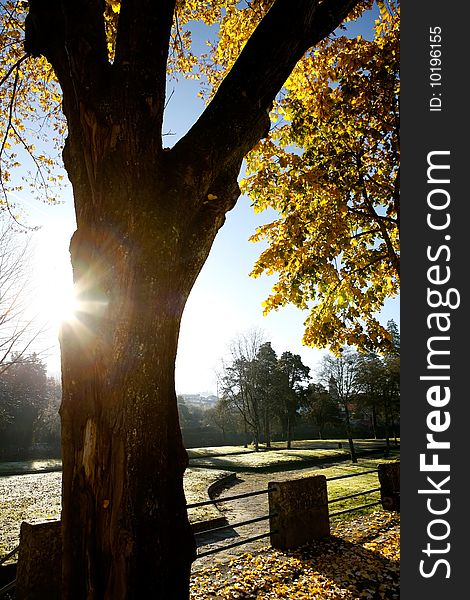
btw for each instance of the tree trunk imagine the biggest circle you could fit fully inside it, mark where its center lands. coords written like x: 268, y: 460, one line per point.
x: 126, y: 533
x: 256, y: 439
x: 267, y: 428
x: 387, y: 431
x: 374, y: 421
x: 288, y: 432
x: 245, y: 431
x: 352, y: 450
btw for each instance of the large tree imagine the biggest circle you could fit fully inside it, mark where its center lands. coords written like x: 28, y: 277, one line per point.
x: 331, y: 170
x: 146, y: 219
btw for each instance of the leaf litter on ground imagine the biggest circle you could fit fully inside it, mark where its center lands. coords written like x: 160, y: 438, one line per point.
x: 361, y: 560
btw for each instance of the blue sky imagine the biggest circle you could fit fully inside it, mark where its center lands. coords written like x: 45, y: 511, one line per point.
x: 225, y: 301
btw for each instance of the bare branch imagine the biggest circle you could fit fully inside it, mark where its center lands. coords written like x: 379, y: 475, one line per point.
x: 19, y: 326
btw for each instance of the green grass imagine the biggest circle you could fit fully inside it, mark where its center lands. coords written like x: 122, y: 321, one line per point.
x: 344, y: 487
x: 361, y: 444
x: 196, y: 483
x: 270, y: 460
x: 302, y: 453
x: 217, y: 451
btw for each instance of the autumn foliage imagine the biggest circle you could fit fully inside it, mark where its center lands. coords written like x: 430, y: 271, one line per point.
x: 330, y: 168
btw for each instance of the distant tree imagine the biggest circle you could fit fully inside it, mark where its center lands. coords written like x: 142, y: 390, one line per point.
x: 321, y: 408
x: 183, y: 412
x: 24, y: 394
x: 293, y: 377
x: 394, y: 333
x: 48, y: 423
x: 190, y: 416
x: 268, y: 387
x: 339, y: 374
x: 223, y: 417
x: 391, y: 396
x: 19, y: 327
x: 369, y: 380
x: 378, y: 381
x: 238, y: 383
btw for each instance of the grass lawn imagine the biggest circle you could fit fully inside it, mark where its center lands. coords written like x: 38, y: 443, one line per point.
x: 338, y: 488
x: 217, y: 451
x: 360, y: 444
x: 269, y: 460
x: 38, y: 496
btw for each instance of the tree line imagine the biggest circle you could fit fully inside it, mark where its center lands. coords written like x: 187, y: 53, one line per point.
x: 265, y: 395
x: 262, y: 397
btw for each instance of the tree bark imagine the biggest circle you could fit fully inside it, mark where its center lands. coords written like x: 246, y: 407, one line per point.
x: 126, y: 533
x: 289, y: 431
x: 125, y: 526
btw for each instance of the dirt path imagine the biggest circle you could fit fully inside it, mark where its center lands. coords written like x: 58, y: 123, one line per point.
x: 243, y: 509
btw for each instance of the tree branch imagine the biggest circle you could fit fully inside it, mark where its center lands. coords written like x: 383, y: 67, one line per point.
x: 238, y: 115
x: 142, y: 45
x: 71, y: 35
x: 12, y: 68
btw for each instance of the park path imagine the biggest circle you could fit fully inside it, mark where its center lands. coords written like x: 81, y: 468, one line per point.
x: 245, y: 509
x: 242, y: 509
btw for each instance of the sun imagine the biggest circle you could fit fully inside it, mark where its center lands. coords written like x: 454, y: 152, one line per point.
x: 60, y: 304
x: 56, y: 299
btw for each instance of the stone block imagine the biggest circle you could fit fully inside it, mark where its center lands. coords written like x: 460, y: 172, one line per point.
x: 39, y: 568
x: 299, y: 511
